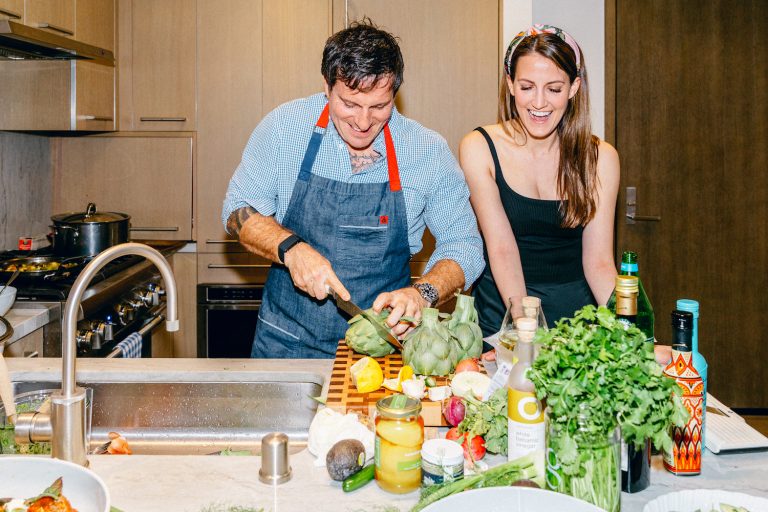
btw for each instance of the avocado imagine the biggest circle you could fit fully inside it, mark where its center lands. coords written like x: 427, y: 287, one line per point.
x: 526, y: 483
x: 345, y: 458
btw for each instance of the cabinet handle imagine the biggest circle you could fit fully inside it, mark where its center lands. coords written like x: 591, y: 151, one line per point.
x: 56, y: 28
x: 631, y: 204
x: 33, y: 354
x: 10, y: 13
x: 88, y: 117
x: 154, y: 228
x: 252, y: 265
x: 163, y: 119
x: 212, y: 241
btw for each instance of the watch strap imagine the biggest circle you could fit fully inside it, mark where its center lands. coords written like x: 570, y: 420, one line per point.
x: 286, y: 245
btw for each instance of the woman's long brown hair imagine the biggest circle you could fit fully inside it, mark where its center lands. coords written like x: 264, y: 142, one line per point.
x: 577, y: 169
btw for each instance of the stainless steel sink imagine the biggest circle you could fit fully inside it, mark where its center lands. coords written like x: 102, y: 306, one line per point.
x: 197, y: 418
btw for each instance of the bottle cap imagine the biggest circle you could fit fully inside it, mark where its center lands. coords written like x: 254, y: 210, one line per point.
x: 629, y: 257
x: 627, y: 284
x: 274, y: 459
x: 688, y: 305
x: 682, y: 320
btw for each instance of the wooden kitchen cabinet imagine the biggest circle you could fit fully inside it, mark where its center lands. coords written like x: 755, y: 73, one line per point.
x: 452, y: 59
x: 250, y: 60
x: 95, y: 23
x: 156, y: 59
x: 55, y: 16
x: 56, y: 96
x: 149, y: 178
x: 12, y: 10
x: 30, y: 345
x: 232, y: 268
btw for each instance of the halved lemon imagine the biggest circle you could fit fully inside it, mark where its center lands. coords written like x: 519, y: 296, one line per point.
x: 367, y: 375
x: 396, y: 383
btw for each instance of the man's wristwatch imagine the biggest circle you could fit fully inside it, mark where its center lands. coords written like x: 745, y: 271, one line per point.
x: 428, y: 293
x: 286, y: 245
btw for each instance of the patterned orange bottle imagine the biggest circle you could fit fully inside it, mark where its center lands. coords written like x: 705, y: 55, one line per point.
x: 685, y: 457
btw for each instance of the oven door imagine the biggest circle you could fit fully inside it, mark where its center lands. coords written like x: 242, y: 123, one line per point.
x: 226, y: 319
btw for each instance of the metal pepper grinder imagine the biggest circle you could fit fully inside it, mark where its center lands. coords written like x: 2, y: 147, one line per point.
x: 274, y: 459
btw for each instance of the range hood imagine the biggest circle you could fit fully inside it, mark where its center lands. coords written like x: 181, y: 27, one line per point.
x: 20, y: 42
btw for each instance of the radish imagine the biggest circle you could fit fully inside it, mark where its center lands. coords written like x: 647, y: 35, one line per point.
x: 454, y: 410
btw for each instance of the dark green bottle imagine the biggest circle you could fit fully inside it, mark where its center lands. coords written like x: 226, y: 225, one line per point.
x: 644, y: 308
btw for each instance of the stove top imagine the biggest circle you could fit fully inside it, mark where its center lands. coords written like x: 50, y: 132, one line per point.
x: 56, y: 284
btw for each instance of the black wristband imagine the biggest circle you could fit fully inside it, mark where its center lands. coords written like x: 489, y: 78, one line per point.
x: 286, y: 245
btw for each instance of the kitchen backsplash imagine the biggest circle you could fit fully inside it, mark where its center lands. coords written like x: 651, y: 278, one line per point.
x: 25, y: 187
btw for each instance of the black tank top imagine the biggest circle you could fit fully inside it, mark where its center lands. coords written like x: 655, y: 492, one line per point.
x: 549, y: 252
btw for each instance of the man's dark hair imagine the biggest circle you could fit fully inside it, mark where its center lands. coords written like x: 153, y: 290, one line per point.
x: 362, y: 53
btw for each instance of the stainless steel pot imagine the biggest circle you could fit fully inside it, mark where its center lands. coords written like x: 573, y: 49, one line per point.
x: 88, y: 233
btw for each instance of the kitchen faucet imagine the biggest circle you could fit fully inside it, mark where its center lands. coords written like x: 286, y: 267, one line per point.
x: 65, y: 425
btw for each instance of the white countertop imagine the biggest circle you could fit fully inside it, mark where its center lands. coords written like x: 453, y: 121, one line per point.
x: 190, y: 483
x: 25, y: 320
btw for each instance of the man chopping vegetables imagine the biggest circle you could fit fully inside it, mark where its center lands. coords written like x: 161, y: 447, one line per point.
x: 336, y: 189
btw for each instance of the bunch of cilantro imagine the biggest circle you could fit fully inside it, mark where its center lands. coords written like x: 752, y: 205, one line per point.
x: 594, y: 359
x: 487, y: 419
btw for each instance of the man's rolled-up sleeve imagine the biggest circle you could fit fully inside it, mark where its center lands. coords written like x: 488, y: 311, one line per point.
x: 450, y: 219
x: 255, y: 181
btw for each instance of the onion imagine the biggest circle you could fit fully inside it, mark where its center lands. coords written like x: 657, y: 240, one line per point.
x: 454, y: 410
x: 467, y: 365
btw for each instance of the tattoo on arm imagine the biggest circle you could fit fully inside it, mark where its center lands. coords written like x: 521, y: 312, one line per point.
x: 237, y: 218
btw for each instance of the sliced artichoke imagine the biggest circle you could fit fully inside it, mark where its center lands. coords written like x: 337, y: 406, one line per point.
x: 363, y: 338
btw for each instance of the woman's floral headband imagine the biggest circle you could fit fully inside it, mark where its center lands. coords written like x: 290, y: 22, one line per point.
x: 536, y: 30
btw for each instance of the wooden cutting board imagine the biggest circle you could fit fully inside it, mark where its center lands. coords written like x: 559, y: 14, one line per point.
x: 343, y: 397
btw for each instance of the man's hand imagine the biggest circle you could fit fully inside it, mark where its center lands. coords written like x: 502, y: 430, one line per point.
x: 403, y: 302
x: 312, y: 272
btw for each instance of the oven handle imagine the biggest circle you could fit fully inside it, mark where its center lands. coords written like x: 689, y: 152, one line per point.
x: 144, y: 330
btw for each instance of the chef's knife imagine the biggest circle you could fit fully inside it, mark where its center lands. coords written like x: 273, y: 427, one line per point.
x: 353, y: 310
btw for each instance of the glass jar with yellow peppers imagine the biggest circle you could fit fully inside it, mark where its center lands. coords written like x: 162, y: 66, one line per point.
x: 399, y: 436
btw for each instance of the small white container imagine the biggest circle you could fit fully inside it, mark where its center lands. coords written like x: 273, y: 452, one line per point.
x: 442, y: 460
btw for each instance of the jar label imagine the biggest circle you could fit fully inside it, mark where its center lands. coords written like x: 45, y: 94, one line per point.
x: 409, y: 465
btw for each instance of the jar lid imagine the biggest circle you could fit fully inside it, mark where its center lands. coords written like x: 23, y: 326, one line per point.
x: 398, y: 406
x: 442, y: 452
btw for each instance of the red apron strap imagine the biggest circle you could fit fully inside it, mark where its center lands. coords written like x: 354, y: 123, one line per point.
x: 322, y: 121
x: 392, y: 168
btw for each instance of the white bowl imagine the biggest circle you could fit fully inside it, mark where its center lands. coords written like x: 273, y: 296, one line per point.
x: 6, y: 299
x: 704, y: 499
x: 510, y: 499
x: 26, y: 477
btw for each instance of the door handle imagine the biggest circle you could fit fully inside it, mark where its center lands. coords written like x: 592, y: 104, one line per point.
x: 631, y: 204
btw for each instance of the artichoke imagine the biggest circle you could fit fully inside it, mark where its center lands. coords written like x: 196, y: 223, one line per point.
x: 362, y: 337
x: 464, y: 327
x: 430, y: 349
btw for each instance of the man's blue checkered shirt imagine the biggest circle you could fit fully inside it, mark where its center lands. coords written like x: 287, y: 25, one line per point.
x: 436, y: 195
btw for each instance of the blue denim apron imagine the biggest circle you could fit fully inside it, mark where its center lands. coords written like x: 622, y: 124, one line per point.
x: 361, y: 228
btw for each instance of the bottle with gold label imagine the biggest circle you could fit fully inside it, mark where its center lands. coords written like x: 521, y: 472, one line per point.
x: 635, y: 460
x: 399, y: 436
x: 526, y: 427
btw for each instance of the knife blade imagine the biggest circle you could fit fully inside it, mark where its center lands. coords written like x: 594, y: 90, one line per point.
x: 353, y: 309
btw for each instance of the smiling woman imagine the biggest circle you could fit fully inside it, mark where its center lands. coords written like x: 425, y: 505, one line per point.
x: 542, y: 185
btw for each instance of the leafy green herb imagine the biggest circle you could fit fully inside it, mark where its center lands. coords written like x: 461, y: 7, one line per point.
x: 231, y: 452
x: 501, y: 475
x: 487, y: 419
x: 596, y: 360
x: 53, y: 491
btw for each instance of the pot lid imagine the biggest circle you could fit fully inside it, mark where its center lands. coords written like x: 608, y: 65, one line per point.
x: 90, y: 216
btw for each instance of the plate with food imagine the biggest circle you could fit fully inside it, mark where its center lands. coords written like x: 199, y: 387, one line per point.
x: 40, y: 484
x: 706, y: 500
